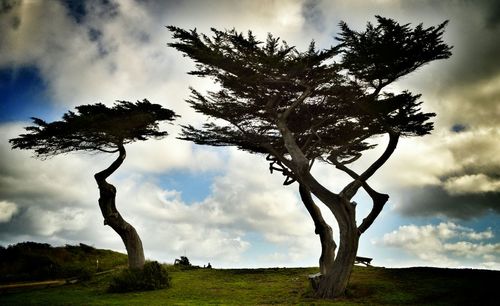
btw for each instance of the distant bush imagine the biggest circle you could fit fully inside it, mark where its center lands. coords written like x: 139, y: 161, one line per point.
x: 152, y: 277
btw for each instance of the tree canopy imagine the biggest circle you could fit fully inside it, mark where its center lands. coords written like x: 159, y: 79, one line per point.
x: 95, y: 128
x: 332, y: 99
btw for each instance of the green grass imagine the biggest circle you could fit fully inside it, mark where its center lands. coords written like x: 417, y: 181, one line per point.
x: 368, y: 286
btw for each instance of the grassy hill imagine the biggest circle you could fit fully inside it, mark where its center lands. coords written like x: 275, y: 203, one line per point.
x: 281, y: 286
x: 31, y: 261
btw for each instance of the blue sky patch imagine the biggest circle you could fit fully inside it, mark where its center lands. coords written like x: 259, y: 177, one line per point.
x: 23, y: 95
x: 194, y: 187
x: 458, y: 127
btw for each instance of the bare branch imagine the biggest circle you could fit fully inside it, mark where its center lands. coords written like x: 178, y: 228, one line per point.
x: 391, y: 146
x: 379, y: 199
x: 291, y: 146
x: 350, y: 190
x: 104, y: 150
x: 101, y: 176
x: 328, y: 245
x: 289, y: 177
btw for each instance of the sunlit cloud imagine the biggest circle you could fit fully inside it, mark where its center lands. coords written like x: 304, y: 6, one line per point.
x: 445, y: 244
x: 7, y: 210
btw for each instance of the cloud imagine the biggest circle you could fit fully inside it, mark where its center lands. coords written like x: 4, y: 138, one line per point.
x: 56, y: 201
x: 54, y: 198
x: 107, y: 56
x: 7, y: 210
x: 159, y: 156
x: 448, y: 175
x: 245, y: 199
x: 47, y: 223
x: 476, y: 183
x: 432, y: 201
x: 445, y: 244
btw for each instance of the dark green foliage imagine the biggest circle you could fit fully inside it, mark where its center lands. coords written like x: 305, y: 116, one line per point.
x: 332, y: 106
x: 29, y: 261
x: 387, y: 51
x: 184, y: 261
x: 95, y: 127
x: 152, y: 277
x: 259, y: 81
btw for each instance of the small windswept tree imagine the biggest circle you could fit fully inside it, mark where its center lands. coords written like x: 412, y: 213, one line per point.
x: 97, y: 128
x: 301, y: 107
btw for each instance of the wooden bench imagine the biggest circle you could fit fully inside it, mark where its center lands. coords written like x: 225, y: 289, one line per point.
x: 363, y: 260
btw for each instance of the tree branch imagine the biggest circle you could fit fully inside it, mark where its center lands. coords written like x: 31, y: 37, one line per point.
x: 104, y: 174
x: 391, y: 146
x: 350, y: 190
x: 104, y: 150
x: 328, y: 245
x: 289, y: 177
x: 379, y: 199
x: 296, y: 103
x: 313, y: 210
x: 298, y: 157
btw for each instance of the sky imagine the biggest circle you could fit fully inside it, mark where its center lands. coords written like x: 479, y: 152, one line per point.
x: 221, y: 205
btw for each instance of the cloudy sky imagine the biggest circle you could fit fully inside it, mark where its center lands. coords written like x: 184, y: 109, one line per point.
x: 221, y: 205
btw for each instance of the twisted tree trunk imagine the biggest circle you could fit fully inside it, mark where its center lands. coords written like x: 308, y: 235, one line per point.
x: 334, y: 282
x: 322, y: 229
x: 113, y: 218
x: 334, y: 277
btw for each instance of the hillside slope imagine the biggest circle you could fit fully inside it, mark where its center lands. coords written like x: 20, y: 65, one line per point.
x: 31, y: 261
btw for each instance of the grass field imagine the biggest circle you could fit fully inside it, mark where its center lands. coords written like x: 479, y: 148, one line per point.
x: 368, y: 286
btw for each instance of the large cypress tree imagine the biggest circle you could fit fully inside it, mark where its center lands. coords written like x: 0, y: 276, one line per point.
x: 297, y: 108
x: 101, y: 129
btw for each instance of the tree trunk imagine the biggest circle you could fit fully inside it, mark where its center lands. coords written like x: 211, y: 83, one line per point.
x: 334, y: 282
x: 113, y: 218
x: 322, y: 229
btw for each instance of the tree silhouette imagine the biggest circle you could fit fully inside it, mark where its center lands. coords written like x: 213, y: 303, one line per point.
x: 301, y: 107
x: 98, y: 128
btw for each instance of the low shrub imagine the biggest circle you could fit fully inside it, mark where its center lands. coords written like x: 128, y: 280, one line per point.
x: 79, y: 271
x: 152, y: 277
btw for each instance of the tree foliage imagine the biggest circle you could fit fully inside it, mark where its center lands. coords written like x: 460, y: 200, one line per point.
x: 331, y: 106
x: 95, y: 128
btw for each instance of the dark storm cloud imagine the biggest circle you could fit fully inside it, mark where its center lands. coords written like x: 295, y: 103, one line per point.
x: 435, y: 201
x: 10, y: 19
x: 313, y: 15
x: 76, y: 9
x: 475, y: 31
x: 79, y: 9
x: 491, y: 9
x: 7, y: 5
x: 466, y: 176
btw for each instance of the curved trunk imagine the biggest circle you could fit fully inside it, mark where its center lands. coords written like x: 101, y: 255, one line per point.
x: 334, y: 282
x: 322, y: 229
x: 112, y: 217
